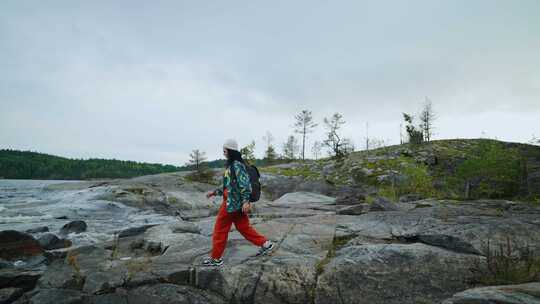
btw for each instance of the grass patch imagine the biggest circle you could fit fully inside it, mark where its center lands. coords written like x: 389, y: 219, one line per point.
x: 206, y: 177
x: 303, y: 171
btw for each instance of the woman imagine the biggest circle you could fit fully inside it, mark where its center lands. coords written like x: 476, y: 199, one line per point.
x: 234, y: 208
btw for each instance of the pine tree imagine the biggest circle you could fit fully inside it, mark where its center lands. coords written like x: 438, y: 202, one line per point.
x: 304, y: 125
x: 248, y: 152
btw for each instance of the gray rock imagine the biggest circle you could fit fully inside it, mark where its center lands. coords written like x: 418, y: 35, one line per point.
x: 5, y: 264
x: 185, y: 227
x: 410, y: 198
x: 8, y: 295
x: 89, y: 259
x: 174, y: 294
x: 133, y: 231
x: 328, y: 169
x: 19, y: 278
x: 111, y: 298
x: 18, y: 245
x: 464, y: 226
x: 509, y: 294
x: 73, y: 227
x: 104, y: 281
x: 301, y: 198
x: 350, y: 197
x: 50, y: 241
x: 354, y: 210
x: 57, y: 296
x: 382, y: 204
x: 393, y: 273
x: 62, y: 276
x: 154, y: 247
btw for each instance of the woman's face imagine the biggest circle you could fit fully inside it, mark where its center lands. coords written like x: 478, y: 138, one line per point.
x: 225, y: 153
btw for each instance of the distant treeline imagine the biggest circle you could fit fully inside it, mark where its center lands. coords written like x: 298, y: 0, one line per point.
x: 220, y: 163
x: 31, y: 165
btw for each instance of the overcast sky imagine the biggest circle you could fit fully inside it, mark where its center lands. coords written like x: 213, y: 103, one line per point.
x: 152, y: 80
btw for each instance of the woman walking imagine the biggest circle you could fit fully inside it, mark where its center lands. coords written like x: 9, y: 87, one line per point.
x: 234, y: 208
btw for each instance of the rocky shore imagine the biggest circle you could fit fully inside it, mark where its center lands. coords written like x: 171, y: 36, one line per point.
x: 330, y: 251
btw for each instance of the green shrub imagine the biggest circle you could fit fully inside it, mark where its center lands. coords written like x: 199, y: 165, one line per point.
x: 417, y: 181
x: 491, y: 171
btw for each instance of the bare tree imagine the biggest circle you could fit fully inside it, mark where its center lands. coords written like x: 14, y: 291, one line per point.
x: 338, y: 145
x: 427, y: 116
x: 197, y: 159
x: 316, y: 149
x: 268, y: 139
x: 290, y: 148
x: 304, y: 125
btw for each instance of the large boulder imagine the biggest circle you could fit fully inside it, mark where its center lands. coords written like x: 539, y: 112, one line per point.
x: 19, y: 278
x: 393, y: 273
x: 17, y: 245
x: 73, y: 227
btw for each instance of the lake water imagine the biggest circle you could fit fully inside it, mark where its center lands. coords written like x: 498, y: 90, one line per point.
x: 26, y: 204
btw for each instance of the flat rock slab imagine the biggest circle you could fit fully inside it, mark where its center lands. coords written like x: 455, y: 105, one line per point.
x: 295, y: 198
x: 508, y: 294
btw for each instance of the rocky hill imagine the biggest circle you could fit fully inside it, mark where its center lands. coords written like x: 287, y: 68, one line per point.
x: 445, y: 169
x: 396, y: 225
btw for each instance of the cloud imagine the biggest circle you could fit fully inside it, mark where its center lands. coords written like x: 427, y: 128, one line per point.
x: 153, y: 82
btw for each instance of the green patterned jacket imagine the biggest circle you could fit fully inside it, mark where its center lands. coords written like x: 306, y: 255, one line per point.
x: 237, y: 193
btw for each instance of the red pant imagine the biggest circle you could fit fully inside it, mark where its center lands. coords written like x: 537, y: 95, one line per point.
x: 222, y: 227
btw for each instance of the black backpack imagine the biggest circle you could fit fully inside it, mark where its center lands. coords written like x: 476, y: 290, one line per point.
x: 254, y: 176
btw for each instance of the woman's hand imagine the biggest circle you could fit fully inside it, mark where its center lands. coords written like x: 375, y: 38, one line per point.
x: 246, y: 207
x: 210, y: 194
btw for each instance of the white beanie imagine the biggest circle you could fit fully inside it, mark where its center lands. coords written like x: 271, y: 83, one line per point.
x: 231, y: 144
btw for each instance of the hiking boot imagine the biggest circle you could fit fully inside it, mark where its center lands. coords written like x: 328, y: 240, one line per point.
x: 212, y: 262
x: 266, y: 248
